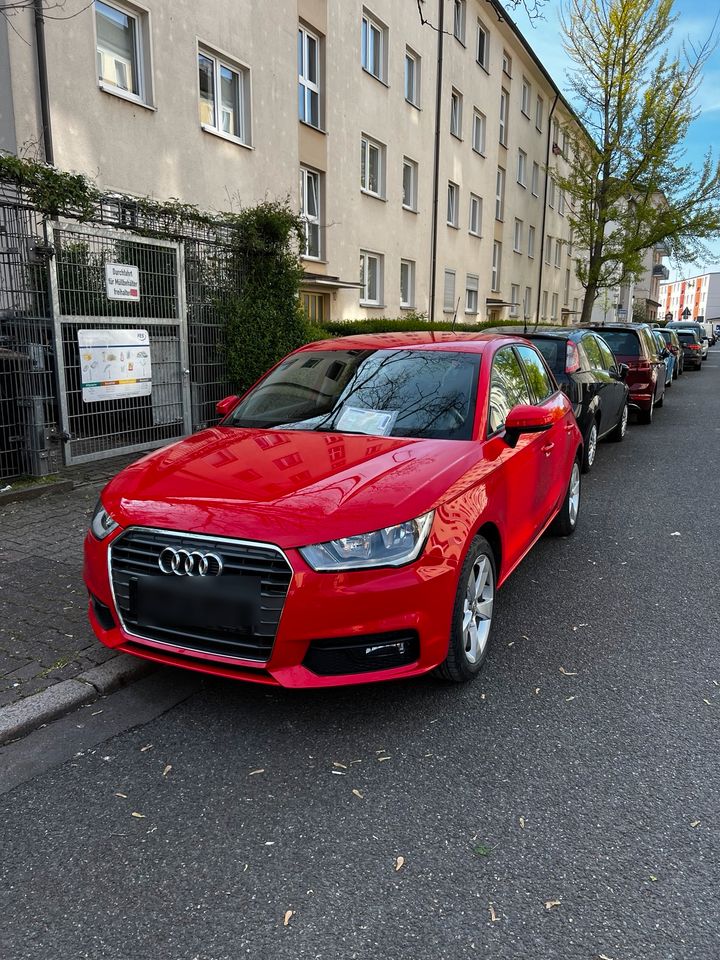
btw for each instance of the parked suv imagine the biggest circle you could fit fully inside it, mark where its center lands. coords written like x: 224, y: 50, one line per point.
x: 634, y: 345
x: 588, y: 373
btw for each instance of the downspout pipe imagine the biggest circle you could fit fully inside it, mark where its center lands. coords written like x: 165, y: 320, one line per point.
x: 544, y: 213
x: 436, y: 159
x: 43, y: 81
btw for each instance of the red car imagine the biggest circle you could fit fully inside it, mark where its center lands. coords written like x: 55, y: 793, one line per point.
x: 349, y: 520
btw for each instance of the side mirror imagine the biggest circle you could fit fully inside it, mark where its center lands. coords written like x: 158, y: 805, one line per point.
x: 623, y: 370
x: 525, y: 418
x: 224, y: 406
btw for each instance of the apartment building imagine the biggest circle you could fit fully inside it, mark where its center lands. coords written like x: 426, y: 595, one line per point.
x: 420, y: 189
x: 700, y: 295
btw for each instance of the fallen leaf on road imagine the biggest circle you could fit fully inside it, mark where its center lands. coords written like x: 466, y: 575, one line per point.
x: 167, y: 769
x: 139, y: 816
x: 358, y: 794
x: 675, y: 534
x: 601, y: 956
x: 146, y: 747
x: 567, y: 673
x: 512, y: 643
x: 289, y: 914
x: 522, y: 823
x: 123, y: 795
x: 341, y: 773
x: 549, y: 904
x: 337, y: 764
x: 493, y: 915
x: 259, y: 770
x: 695, y: 823
x: 380, y: 759
x: 537, y: 690
x: 568, y: 699
x: 705, y: 700
x: 96, y: 713
x: 653, y: 877
x: 399, y: 862
x: 524, y: 637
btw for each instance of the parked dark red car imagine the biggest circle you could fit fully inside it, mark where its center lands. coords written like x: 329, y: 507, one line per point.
x: 350, y: 518
x: 634, y: 345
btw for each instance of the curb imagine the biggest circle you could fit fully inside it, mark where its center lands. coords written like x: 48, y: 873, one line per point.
x: 37, y: 491
x: 19, y: 719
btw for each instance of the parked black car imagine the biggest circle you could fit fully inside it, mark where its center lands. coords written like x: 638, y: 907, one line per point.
x: 678, y: 325
x: 675, y: 347
x: 692, y: 349
x: 587, y: 372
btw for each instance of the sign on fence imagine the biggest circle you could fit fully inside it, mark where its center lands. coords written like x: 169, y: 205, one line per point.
x: 122, y: 281
x: 114, y: 364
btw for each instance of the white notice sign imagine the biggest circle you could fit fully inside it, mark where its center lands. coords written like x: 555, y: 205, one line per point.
x: 122, y: 281
x: 114, y: 364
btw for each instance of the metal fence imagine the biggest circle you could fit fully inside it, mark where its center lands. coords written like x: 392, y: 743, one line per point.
x: 54, y: 298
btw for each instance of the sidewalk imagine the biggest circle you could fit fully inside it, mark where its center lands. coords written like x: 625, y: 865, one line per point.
x: 45, y: 637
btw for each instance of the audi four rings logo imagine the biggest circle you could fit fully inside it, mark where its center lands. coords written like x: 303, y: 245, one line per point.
x: 190, y: 563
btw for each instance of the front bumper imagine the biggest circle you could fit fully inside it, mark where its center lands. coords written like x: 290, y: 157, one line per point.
x: 394, y: 613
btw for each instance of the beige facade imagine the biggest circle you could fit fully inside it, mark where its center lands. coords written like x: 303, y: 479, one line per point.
x: 201, y: 102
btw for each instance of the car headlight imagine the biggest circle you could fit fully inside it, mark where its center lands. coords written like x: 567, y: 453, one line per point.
x: 389, y: 547
x: 102, y: 524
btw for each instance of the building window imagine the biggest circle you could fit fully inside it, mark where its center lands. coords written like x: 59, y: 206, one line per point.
x: 410, y: 184
x: 504, y: 100
x: 373, y: 46
x: 371, y: 278
x: 554, y: 311
x: 517, y: 236
x: 453, y: 197
x: 551, y: 194
x: 459, y: 20
x: 531, y: 241
x: 543, y: 314
x: 566, y: 294
x: 525, y: 99
x: 478, y: 132
x: 475, y: 225
x: 471, y: 293
x: 500, y: 194
x: 507, y: 63
x: 539, y: 107
x: 412, y: 77
x: 456, y: 113
x: 514, y: 299
x: 522, y: 168
x: 407, y: 284
x: 534, y: 183
x: 224, y: 97
x: 449, y: 292
x: 555, y: 133
x: 570, y: 242
x: 561, y: 202
x: 548, y: 249
x: 496, y: 266
x: 558, y: 253
x: 527, y: 301
x: 310, y: 211
x: 372, y: 167
x: 482, y: 52
x: 119, y: 49
x: 308, y: 77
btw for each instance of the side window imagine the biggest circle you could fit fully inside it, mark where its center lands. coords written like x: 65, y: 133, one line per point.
x: 651, y: 347
x: 607, y: 355
x: 592, y: 349
x: 537, y: 376
x: 508, y: 387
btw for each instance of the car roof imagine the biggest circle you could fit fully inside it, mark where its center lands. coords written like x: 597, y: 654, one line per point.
x: 461, y: 341
x: 561, y: 333
x: 599, y: 327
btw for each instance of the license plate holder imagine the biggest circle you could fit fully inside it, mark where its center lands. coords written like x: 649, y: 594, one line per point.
x: 197, y: 603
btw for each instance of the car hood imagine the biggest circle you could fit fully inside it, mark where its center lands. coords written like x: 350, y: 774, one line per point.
x: 288, y: 487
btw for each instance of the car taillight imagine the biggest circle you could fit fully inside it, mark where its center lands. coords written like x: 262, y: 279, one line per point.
x: 572, y: 358
x: 694, y: 346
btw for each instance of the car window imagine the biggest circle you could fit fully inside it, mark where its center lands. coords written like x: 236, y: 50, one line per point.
x: 508, y: 387
x: 687, y: 336
x: 592, y: 350
x: 623, y: 343
x: 606, y: 353
x: 553, y: 349
x: 541, y: 385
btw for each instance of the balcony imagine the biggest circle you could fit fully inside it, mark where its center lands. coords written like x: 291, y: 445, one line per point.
x: 661, y: 271
x: 662, y: 248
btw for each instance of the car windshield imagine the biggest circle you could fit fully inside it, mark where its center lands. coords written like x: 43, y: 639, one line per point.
x: 427, y: 394
x: 553, y: 349
x: 666, y: 335
x: 623, y: 343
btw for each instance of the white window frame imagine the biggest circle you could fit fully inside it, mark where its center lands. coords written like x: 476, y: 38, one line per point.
x: 453, y: 204
x: 514, y: 299
x: 527, y: 303
x: 475, y: 216
x: 554, y: 307
x: 522, y: 168
x: 472, y: 298
x: 365, y: 257
x: 566, y: 289
x: 307, y: 175
x: 526, y: 96
x: 411, y: 165
x: 504, y: 105
x: 369, y: 23
x: 535, y: 178
x: 539, y: 111
x: 551, y: 193
x: 143, y: 66
x: 500, y: 194
x: 409, y: 302
x: 448, y: 302
x: 543, y: 312
x: 496, y: 266
x: 459, y: 12
x: 561, y: 201
x: 456, y: 112
x: 548, y: 250
x: 479, y: 131
x: 308, y: 86
x: 485, y: 62
x: 506, y: 64
x: 558, y: 253
x: 531, y: 241
x: 366, y: 143
x: 412, y: 96
x: 220, y: 60
x: 517, y: 235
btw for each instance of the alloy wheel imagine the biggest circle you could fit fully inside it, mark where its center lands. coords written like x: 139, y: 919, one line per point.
x: 624, y: 421
x: 592, y: 445
x: 478, y: 608
x: 574, y: 494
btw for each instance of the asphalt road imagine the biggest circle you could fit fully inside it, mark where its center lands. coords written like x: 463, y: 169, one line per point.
x: 563, y: 806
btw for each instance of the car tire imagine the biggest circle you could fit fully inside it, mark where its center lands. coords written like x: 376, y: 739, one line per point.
x: 646, y: 416
x: 618, y: 433
x: 676, y: 372
x: 590, y: 448
x: 661, y: 401
x: 565, y: 523
x: 472, y: 616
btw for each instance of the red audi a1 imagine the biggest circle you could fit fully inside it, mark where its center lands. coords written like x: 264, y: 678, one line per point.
x: 349, y: 520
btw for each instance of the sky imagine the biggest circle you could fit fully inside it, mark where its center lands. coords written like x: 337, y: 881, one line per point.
x: 695, y: 21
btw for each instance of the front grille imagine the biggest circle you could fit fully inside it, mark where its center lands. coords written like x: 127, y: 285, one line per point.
x: 258, y: 573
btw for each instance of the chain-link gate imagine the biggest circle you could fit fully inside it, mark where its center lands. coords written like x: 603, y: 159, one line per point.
x: 120, y: 341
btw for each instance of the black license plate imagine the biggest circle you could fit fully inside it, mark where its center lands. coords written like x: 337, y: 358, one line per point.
x: 191, y: 603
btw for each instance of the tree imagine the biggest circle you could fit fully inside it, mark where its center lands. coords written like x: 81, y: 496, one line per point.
x: 628, y: 181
